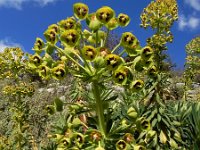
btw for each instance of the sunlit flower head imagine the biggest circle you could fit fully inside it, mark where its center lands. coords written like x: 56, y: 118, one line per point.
x: 54, y: 27
x: 78, y: 139
x: 95, y: 136
x: 51, y: 36
x: 137, y: 85
x: 89, y: 52
x: 70, y: 37
x: 112, y: 24
x: 152, y: 71
x: 92, y: 22
x: 105, y: 14
x: 80, y: 10
x: 113, y: 61
x: 128, y: 40
x: 146, y: 52
x: 121, y: 145
x: 44, y: 71
x: 66, y: 24
x: 120, y: 75
x: 65, y: 142
x: 123, y: 20
x: 38, y: 46
x: 103, y: 51
x: 143, y: 124
x: 59, y: 72
x: 36, y: 59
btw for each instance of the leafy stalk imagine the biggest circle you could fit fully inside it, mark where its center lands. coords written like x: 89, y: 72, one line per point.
x: 99, y: 107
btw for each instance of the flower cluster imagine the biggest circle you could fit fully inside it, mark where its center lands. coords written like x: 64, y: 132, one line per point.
x: 193, y: 51
x: 86, y: 49
x: 22, y: 89
x: 192, y: 60
x: 83, y: 54
x: 160, y: 13
x: 11, y: 62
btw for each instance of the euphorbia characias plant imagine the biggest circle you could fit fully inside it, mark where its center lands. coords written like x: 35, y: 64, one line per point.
x: 192, y: 64
x: 83, y: 54
x: 12, y: 69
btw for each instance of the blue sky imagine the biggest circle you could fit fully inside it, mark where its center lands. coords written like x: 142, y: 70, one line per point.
x: 24, y: 20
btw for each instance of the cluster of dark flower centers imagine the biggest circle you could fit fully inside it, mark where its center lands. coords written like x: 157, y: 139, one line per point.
x: 69, y: 35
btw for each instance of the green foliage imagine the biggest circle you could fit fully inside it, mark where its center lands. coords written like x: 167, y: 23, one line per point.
x: 192, y: 63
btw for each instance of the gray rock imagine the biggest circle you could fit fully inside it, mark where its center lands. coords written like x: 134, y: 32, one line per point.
x: 50, y: 90
x: 60, y: 89
x: 192, y: 92
x: 41, y: 90
x: 180, y: 85
x: 118, y: 88
x: 196, y: 86
x: 62, y: 98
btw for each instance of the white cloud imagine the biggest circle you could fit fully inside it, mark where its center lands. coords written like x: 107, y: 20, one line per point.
x: 194, y: 4
x: 190, y: 22
x: 44, y: 2
x: 8, y: 43
x: 17, y: 4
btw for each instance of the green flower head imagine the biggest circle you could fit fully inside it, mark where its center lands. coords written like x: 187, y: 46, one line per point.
x: 54, y: 27
x: 146, y: 52
x: 147, y: 63
x: 139, y: 147
x: 64, y: 142
x: 128, y: 40
x: 89, y: 52
x: 38, y: 46
x: 103, y: 51
x: 51, y: 36
x: 59, y: 72
x: 80, y: 10
x: 143, y: 124
x: 78, y: 139
x: 120, y: 75
x: 137, y: 85
x: 44, y: 71
x: 123, y: 20
x: 112, y: 24
x: 121, y: 145
x: 113, y: 61
x: 86, y: 34
x: 50, y: 109
x: 66, y: 24
x: 36, y: 59
x: 92, y: 22
x: 95, y: 136
x: 70, y: 37
x: 128, y: 137
x: 152, y: 71
x: 30, y: 90
x: 105, y: 14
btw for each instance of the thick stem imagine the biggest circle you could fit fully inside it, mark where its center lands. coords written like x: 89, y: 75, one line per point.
x: 99, y: 107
